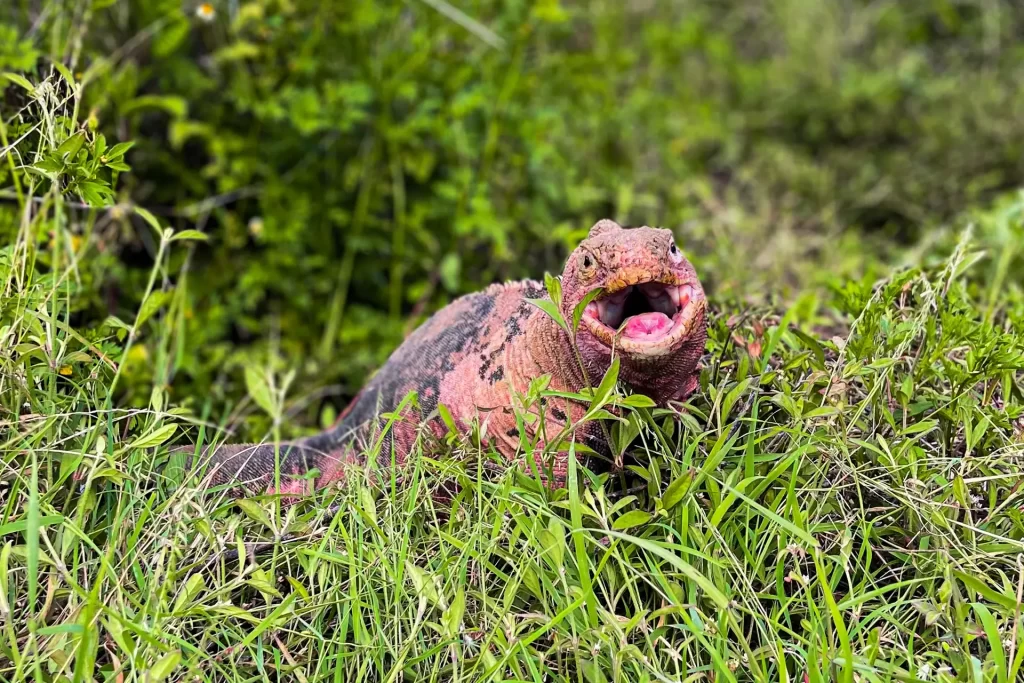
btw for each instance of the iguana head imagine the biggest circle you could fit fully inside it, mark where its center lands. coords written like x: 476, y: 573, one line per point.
x: 652, y: 306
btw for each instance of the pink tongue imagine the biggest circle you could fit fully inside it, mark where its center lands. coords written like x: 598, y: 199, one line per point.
x: 647, y: 326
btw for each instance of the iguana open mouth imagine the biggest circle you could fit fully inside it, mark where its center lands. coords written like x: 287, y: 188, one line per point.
x: 645, y: 318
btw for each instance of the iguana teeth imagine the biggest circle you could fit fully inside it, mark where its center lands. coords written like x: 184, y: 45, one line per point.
x: 682, y: 295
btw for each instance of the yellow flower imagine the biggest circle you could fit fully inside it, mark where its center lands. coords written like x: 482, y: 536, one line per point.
x: 65, y: 370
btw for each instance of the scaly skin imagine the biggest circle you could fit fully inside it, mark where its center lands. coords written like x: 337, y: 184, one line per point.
x: 481, y: 351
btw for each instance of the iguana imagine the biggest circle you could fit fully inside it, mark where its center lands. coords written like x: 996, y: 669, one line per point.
x: 476, y: 354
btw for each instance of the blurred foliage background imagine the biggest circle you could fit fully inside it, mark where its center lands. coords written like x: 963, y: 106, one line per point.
x: 358, y: 164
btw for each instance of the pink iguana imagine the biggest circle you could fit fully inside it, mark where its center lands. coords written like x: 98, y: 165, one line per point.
x: 475, y: 354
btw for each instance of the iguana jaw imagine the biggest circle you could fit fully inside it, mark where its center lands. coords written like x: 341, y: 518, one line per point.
x: 644, y: 317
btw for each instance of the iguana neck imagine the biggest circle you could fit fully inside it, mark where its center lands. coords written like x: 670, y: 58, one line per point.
x: 551, y: 352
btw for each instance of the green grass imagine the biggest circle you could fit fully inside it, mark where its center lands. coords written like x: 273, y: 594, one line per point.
x: 841, y: 501
x: 829, y: 507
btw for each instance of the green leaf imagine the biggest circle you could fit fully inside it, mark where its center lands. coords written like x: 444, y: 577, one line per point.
x: 552, y: 543
x: 446, y: 417
x: 254, y: 511
x: 977, y: 585
x: 193, y: 587
x: 607, y: 386
x: 163, y: 667
x: 811, y: 343
x: 49, y: 164
x: 190, y: 235
x: 423, y: 582
x: 170, y: 37
x: 638, y: 401
x: 452, y: 619
x: 775, y: 336
x: 88, y: 642
x: 676, y: 490
x: 626, y: 433
x: 258, y: 387
x: 109, y: 473
x: 450, y: 270
x: 20, y: 80
x: 173, y: 105
x: 22, y: 524
x: 577, y: 312
x: 153, y: 303
x: 773, y: 516
x: 837, y: 619
x: 995, y: 642
x: 60, y: 628
x: 155, y: 437
x: 237, y: 51
x: 117, y: 632
x: 723, y: 507
x: 94, y: 193
x: 114, y: 321
x: 119, y: 150
x: 274, y: 620
x: 65, y: 72
x: 151, y: 219
x: 631, y: 519
x: 70, y: 147
x: 367, y: 503
x: 593, y: 673
x: 551, y: 309
x: 554, y: 287
x: 180, y: 131
x: 601, y: 414
x: 732, y: 397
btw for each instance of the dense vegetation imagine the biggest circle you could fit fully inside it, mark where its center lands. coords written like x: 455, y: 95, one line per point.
x: 228, y: 215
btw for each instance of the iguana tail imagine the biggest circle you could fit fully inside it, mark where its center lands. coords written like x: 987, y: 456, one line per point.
x: 303, y: 465
x: 253, y: 468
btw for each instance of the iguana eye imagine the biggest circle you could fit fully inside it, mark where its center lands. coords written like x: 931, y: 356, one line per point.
x: 674, y: 255
x: 587, y: 262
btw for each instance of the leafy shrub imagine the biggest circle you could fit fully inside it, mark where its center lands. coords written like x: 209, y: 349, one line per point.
x: 358, y: 163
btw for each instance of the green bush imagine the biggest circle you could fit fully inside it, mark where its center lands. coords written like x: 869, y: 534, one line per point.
x: 354, y: 163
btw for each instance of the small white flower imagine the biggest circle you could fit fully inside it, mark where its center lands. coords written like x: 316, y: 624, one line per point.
x: 206, y: 12
x: 255, y: 226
